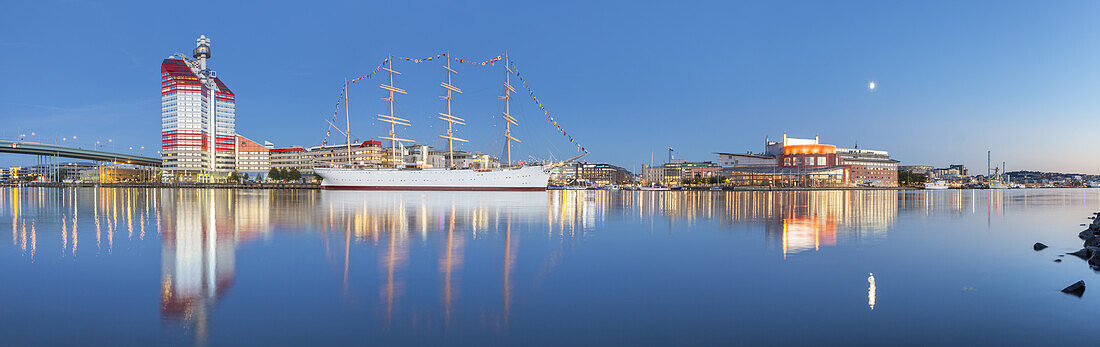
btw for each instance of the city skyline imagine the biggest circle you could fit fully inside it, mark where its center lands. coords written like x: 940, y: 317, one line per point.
x: 950, y: 85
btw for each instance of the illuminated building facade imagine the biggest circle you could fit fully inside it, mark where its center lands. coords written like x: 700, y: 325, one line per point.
x: 198, y: 115
x: 795, y: 162
x: 367, y: 153
x: 595, y: 174
x: 869, y: 167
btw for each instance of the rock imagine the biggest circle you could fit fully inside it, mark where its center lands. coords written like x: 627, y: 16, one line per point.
x: 1093, y: 241
x: 1077, y: 289
x: 1039, y: 245
x: 1085, y: 234
x: 1057, y: 260
x: 1094, y: 261
x: 1082, y: 253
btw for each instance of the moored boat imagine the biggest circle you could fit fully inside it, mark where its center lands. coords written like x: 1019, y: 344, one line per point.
x: 398, y: 175
x: 936, y: 185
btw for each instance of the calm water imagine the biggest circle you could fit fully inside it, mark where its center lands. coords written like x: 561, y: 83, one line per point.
x: 220, y: 267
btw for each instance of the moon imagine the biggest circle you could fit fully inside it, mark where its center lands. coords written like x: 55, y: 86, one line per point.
x: 871, y: 86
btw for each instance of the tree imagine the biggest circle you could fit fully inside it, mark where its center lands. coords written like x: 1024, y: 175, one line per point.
x: 234, y: 177
x: 910, y: 179
x: 244, y: 176
x: 274, y: 174
x: 294, y: 174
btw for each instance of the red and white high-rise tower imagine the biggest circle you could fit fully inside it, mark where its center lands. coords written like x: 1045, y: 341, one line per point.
x: 198, y: 135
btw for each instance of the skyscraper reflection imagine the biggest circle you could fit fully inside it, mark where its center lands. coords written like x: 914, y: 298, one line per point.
x: 198, y: 250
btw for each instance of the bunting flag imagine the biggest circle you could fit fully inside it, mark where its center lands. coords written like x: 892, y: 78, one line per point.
x: 523, y: 81
x: 418, y: 61
x: 490, y: 62
x: 368, y: 75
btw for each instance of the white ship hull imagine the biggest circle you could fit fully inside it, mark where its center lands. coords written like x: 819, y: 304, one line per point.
x: 935, y: 186
x: 524, y: 178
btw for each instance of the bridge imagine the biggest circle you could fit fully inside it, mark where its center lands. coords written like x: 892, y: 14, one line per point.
x: 47, y: 150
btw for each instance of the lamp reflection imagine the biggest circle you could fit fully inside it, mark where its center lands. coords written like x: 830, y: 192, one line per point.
x: 871, y: 291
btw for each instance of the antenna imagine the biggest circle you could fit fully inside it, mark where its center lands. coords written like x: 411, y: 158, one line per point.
x: 450, y: 119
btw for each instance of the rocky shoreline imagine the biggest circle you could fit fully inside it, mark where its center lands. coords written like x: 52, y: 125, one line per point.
x: 1090, y: 252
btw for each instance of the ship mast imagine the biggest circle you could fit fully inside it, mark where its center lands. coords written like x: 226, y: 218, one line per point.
x: 450, y: 119
x: 347, y: 120
x: 393, y: 120
x: 508, y: 90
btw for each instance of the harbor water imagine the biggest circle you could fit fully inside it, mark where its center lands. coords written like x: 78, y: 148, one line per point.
x: 118, y: 266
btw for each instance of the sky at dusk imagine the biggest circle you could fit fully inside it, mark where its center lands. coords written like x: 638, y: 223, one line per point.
x: 625, y: 79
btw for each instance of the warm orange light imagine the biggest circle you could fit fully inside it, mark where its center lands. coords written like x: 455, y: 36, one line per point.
x: 809, y: 149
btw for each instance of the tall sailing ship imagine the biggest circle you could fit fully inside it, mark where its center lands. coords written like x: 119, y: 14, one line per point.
x: 396, y: 177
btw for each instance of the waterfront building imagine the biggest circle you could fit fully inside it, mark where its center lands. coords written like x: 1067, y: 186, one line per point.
x: 954, y: 171
x: 675, y: 172
x: 291, y: 158
x: 869, y: 167
x: 597, y: 174
x: 6, y: 174
x: 198, y: 115
x: 49, y: 172
x: 960, y: 169
x: 367, y: 153
x: 745, y: 160
x: 926, y: 170
x: 251, y: 157
x: 796, y: 162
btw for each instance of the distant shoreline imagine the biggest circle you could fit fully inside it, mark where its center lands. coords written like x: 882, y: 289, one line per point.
x: 316, y: 186
x: 168, y: 185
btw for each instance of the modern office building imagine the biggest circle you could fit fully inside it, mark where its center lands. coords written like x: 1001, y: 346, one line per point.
x: 593, y: 174
x: 367, y: 153
x: 251, y: 157
x: 926, y: 170
x: 869, y: 166
x: 198, y: 115
x: 291, y: 158
x: 675, y: 172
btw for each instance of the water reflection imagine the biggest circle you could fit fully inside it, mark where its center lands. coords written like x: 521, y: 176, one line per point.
x: 198, y: 251
x: 430, y: 261
x: 871, y: 291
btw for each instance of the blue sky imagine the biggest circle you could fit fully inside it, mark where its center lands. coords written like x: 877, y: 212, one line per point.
x: 626, y: 79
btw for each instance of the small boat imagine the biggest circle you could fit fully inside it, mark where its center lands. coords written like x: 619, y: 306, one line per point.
x: 716, y: 188
x: 1093, y: 184
x: 997, y: 185
x: 936, y: 185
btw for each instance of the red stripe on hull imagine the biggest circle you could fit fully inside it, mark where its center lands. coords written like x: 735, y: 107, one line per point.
x: 434, y: 188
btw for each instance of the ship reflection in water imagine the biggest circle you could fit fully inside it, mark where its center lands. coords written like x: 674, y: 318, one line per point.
x: 421, y: 266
